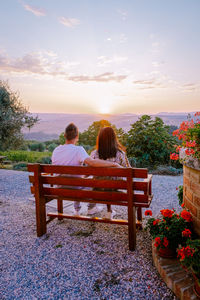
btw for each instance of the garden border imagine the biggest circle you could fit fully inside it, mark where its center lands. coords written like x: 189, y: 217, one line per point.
x: 176, y: 278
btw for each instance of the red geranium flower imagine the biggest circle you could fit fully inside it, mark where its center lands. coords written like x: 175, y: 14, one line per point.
x: 157, y: 242
x: 174, y: 156
x: 185, y: 252
x: 148, y: 213
x: 165, y: 242
x: 167, y: 213
x: 186, y: 215
x: 155, y: 222
x: 183, y: 204
x: 186, y: 233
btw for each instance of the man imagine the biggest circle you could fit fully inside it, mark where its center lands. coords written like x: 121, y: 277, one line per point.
x: 71, y: 155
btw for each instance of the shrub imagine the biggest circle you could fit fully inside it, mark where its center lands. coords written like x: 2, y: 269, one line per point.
x: 51, y: 147
x: 45, y: 160
x: 37, y: 147
x: 180, y: 194
x: 190, y: 256
x: 171, y: 229
x: 25, y: 156
x: 132, y: 161
x: 167, y: 170
x: 150, y: 142
x: 189, y: 135
x: 22, y: 166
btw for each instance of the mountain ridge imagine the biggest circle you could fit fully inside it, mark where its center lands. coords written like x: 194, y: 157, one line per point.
x: 51, y: 125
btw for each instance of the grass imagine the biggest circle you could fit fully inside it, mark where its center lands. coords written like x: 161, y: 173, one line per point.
x: 24, y: 156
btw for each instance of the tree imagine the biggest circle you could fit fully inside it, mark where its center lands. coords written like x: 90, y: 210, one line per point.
x: 51, y: 147
x: 13, y: 117
x: 149, y: 142
x: 172, y: 128
x: 62, y: 138
x: 89, y: 136
x: 40, y: 147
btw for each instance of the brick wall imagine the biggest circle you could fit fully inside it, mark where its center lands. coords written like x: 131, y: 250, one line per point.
x: 176, y: 278
x: 191, y: 194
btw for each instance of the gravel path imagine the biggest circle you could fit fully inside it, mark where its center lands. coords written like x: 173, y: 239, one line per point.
x: 75, y: 260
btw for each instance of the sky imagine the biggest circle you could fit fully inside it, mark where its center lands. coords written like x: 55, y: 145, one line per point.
x: 108, y: 56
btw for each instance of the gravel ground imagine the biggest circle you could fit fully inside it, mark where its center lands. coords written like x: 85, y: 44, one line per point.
x: 75, y: 260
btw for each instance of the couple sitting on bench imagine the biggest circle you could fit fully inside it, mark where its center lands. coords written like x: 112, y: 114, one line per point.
x: 108, y: 153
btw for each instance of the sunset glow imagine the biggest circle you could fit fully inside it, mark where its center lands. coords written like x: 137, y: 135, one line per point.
x: 104, y: 110
x: 102, y: 56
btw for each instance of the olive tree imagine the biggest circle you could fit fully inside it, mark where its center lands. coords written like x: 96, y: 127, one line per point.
x: 13, y: 117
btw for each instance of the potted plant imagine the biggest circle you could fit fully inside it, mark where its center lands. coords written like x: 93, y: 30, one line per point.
x: 189, y: 257
x: 169, y: 230
x: 189, y: 148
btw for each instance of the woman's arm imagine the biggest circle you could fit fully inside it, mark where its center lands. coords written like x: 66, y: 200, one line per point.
x: 123, y: 160
x: 100, y: 163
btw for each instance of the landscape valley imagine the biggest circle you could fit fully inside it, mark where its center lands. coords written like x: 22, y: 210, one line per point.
x: 51, y: 125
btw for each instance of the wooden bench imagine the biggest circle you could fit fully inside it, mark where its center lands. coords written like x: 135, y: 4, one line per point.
x: 130, y: 187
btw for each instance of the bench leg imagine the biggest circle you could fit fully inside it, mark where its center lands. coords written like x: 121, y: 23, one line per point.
x: 109, y: 207
x: 139, y: 214
x: 60, y: 207
x: 41, y: 216
x: 131, y: 228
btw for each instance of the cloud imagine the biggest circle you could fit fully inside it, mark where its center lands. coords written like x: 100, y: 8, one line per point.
x: 123, y: 14
x: 148, y: 84
x: 157, y: 64
x: 69, y: 22
x: 47, y: 63
x: 189, y: 87
x: 105, y: 77
x: 39, y: 12
x: 40, y: 63
x: 103, y: 60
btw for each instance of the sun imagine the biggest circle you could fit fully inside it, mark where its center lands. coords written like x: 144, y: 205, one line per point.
x: 104, y: 109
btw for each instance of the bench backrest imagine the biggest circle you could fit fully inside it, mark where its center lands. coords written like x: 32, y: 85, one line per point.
x: 119, y: 186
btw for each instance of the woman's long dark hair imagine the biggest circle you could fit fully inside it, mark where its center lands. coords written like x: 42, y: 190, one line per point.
x: 107, y: 144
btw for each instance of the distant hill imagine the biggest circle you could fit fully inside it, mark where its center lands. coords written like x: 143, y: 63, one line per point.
x: 51, y: 125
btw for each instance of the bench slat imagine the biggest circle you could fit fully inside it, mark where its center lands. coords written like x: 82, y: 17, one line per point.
x: 85, y: 218
x: 76, y: 170
x: 78, y: 195
x: 98, y: 183
x: 139, y: 173
x: 75, y: 193
x: 82, y: 182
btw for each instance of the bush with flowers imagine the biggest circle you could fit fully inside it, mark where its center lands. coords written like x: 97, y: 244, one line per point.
x: 189, y: 136
x: 171, y: 229
x: 189, y: 257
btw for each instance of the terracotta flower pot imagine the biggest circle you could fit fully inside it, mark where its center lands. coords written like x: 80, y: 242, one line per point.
x: 167, y: 252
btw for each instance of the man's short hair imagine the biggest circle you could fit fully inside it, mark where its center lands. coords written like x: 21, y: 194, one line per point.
x: 71, y: 132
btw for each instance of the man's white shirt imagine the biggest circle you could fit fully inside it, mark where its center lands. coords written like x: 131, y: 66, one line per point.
x: 69, y: 155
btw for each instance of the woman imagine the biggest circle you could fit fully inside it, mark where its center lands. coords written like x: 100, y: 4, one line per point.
x: 108, y: 148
